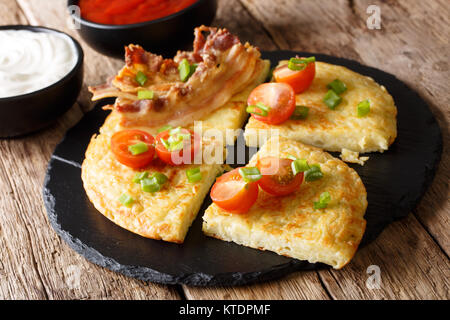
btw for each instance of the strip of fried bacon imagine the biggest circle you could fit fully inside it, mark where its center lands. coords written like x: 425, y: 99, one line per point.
x: 225, y: 67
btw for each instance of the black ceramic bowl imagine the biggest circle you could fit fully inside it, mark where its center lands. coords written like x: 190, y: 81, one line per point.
x: 30, y: 112
x: 163, y: 36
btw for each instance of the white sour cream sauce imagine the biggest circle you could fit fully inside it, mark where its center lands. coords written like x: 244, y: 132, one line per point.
x: 30, y: 61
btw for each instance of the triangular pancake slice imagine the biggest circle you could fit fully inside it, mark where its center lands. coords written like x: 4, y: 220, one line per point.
x: 341, y: 128
x: 163, y: 215
x: 290, y: 225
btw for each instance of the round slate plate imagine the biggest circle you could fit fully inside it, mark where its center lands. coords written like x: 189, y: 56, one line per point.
x: 395, y: 182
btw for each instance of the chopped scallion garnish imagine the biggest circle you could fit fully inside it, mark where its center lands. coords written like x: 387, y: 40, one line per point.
x: 126, y: 200
x: 313, y: 173
x: 139, y: 176
x: 298, y: 64
x: 363, y: 108
x: 164, y: 128
x: 250, y: 174
x: 138, y: 148
x: 145, y: 94
x: 299, y: 165
x: 259, y: 109
x: 331, y: 99
x: 193, y: 68
x: 161, y: 178
x: 186, y: 70
x: 337, y: 86
x: 324, y: 199
x: 150, y: 185
x: 194, y: 175
x: 300, y: 112
x: 141, y: 78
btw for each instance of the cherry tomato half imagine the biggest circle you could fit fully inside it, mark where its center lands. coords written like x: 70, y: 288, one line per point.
x: 120, y: 141
x: 277, y: 176
x: 233, y: 194
x: 279, y: 97
x: 178, y: 157
x: 300, y: 80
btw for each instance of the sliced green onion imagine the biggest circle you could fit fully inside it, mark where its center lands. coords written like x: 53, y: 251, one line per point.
x: 145, y: 94
x: 194, y: 175
x: 161, y: 178
x: 313, y: 173
x: 324, y: 199
x: 139, y: 176
x: 186, y: 70
x: 176, y: 146
x: 126, y: 200
x: 300, y: 112
x: 331, y: 99
x: 250, y: 174
x: 299, y: 165
x: 298, y: 64
x: 363, y: 108
x: 219, y: 174
x: 193, y: 68
x: 165, y: 143
x: 141, y: 78
x: 337, y: 86
x: 138, y: 148
x: 164, y: 128
x: 290, y: 156
x: 270, y: 74
x: 263, y: 109
x: 150, y: 185
x: 184, y: 136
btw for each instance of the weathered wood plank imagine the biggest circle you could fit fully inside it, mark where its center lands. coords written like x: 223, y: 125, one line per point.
x: 411, y: 267
x: 301, y: 285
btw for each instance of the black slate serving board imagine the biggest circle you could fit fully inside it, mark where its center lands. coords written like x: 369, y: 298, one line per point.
x: 395, y: 182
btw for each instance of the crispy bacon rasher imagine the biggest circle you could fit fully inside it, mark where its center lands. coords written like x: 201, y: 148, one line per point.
x: 225, y: 67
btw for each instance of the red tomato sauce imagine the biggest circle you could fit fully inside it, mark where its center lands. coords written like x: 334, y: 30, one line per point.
x: 130, y: 11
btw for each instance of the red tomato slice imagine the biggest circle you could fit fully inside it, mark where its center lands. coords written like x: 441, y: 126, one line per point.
x: 277, y: 176
x: 183, y: 156
x: 279, y: 97
x: 120, y: 142
x: 233, y: 194
x: 300, y: 81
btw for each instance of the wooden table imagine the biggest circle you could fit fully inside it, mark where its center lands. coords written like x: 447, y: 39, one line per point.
x: 412, y: 254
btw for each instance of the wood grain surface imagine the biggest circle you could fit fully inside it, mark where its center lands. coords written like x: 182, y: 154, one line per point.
x: 411, y: 254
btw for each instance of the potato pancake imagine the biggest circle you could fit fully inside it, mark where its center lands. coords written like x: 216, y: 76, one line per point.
x: 166, y: 214
x: 290, y: 225
x: 341, y: 128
